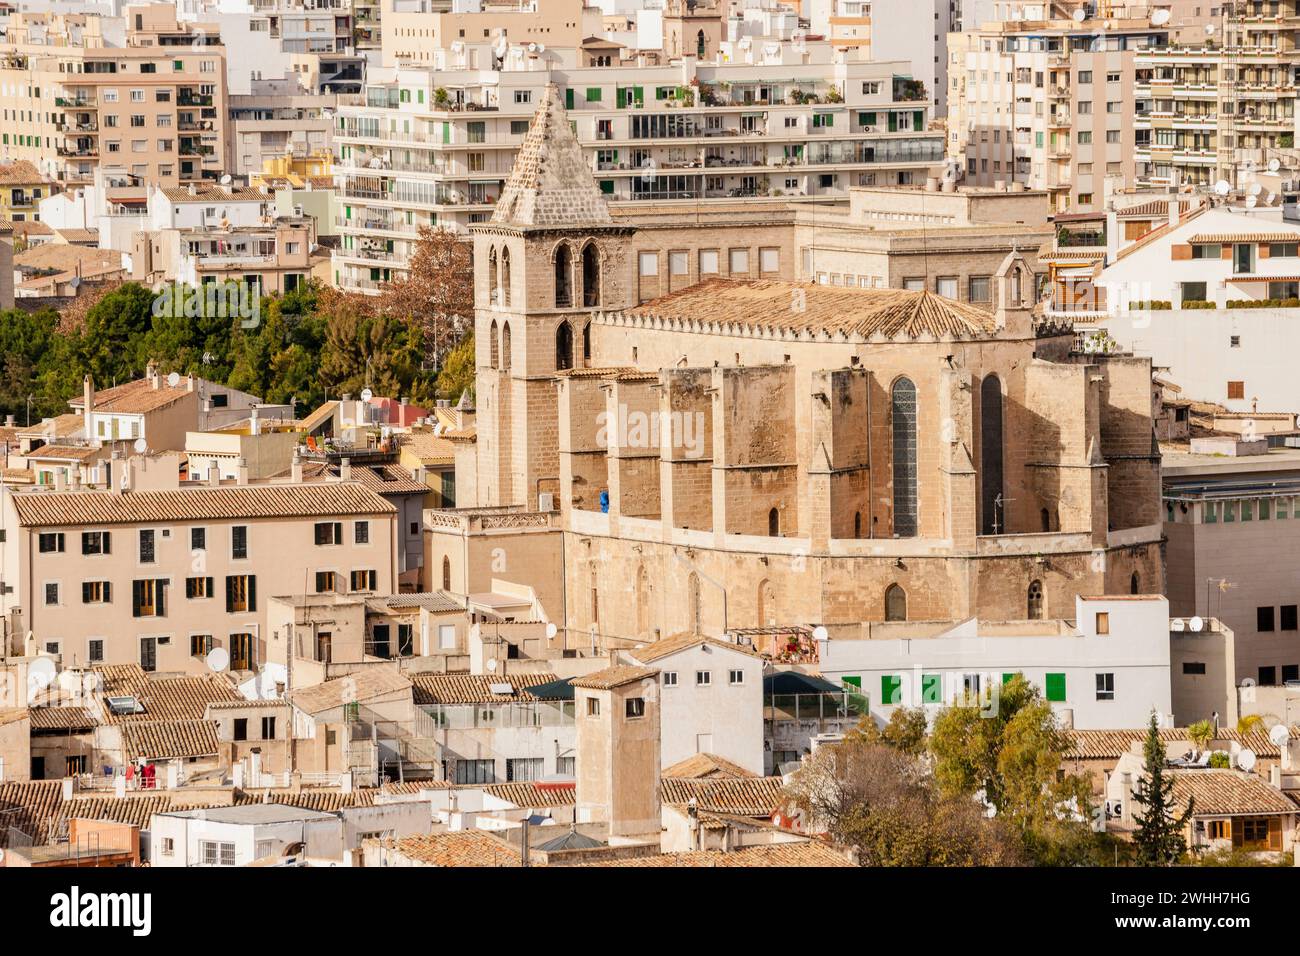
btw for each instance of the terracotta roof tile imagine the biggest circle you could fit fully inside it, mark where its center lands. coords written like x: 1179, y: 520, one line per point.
x: 707, y: 767
x: 166, y: 739
x: 137, y: 397
x: 51, y: 509
x: 828, y: 310
x: 361, y: 686
x: 1245, y: 237
x: 648, y: 653
x: 615, y: 676
x: 70, y: 719
x: 474, y: 688
x: 776, y: 854
x: 1111, y: 744
x: 460, y: 848
x: 751, y: 797
x: 534, y: 795
x: 1227, y: 792
x: 174, y: 698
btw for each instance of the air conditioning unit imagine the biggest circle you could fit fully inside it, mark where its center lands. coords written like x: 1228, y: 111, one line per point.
x: 546, y: 501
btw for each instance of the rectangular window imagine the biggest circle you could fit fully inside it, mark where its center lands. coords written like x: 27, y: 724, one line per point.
x: 239, y: 542
x: 1207, y: 250
x: 979, y: 289
x: 241, y: 593
x: 1193, y: 667
x: 635, y: 708
x: 709, y: 262
x: 1280, y: 250
x: 738, y: 261
x: 703, y: 678
x: 198, y: 539
x: 364, y: 580
x: 149, y: 598
x: 769, y: 260
x: 96, y: 592
x: 268, y: 728
x: 735, y: 677
x: 329, y: 532
x: 1237, y: 390
x: 476, y: 771
x: 1263, y: 619
x: 95, y: 651
x: 1103, y: 622
x: 218, y: 854
x: 1287, y: 620
x: 593, y: 706
x: 198, y: 588
x: 96, y: 542
x: 324, y: 582
x: 361, y: 532
x: 1267, y: 676
x: 200, y: 645
x: 50, y: 542
x: 648, y: 263
x: 1105, y: 686
x: 670, y: 678
x: 51, y: 593
x: 524, y: 768
x: 1055, y: 687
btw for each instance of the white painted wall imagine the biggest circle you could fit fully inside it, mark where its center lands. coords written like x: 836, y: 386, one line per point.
x: 1136, y: 652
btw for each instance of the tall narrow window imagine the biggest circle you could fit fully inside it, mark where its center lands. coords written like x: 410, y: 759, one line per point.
x: 993, y: 512
x: 1035, y: 601
x: 1134, y: 584
x: 446, y: 573
x: 693, y: 597
x: 505, y: 276
x: 564, y: 346
x: 903, y: 414
x: 642, y: 602
x: 766, y: 604
x: 774, y: 523
x: 590, y: 276
x: 494, y: 283
x: 563, y: 272
x: 857, y: 524
x: 505, y: 344
x: 895, y: 603
x: 493, y: 347
x: 586, y: 344
x: 1046, y: 517
x: 699, y: 45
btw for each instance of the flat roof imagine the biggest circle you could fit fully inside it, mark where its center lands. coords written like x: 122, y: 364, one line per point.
x: 253, y: 813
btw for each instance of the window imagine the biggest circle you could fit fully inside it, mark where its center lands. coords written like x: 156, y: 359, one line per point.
x: 96, y: 592
x: 593, y: 706
x: 1267, y: 676
x: 735, y: 677
x: 198, y: 588
x: 1207, y: 250
x: 993, y: 520
x: 1055, y: 687
x: 96, y: 542
x: 1219, y: 829
x: 476, y: 771
x: 738, y: 261
x: 566, y: 766
x: 524, y: 768
x: 50, y: 542
x: 149, y: 598
x: 670, y: 678
x: 218, y: 854
x: 895, y: 603
x: 1085, y: 77
x: 903, y: 415
x: 241, y: 593
x: 1193, y: 667
x: 648, y: 263
x: 51, y: 592
x: 1103, y: 622
x: 200, y: 645
x: 1193, y: 291
x: 198, y: 539
x: 635, y: 708
x: 703, y: 678
x: 1237, y: 390
x: 239, y: 542
x: 709, y: 262
x: 946, y: 286
x: 95, y: 650
x: 1263, y: 619
x: 1035, y: 601
x: 1279, y: 250
x: 978, y: 288
x: 364, y: 580
x: 324, y: 582
x: 1288, y: 618
x: 769, y: 260
x: 268, y: 728
x: 1290, y: 673
x: 329, y: 532
x: 1105, y: 686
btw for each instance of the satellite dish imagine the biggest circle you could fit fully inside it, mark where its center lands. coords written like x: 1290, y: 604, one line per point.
x: 1159, y: 17
x: 1246, y: 760
x: 1279, y: 735
x: 217, y: 660
x: 1195, y: 624
x: 819, y: 632
x: 367, y: 394
x: 42, y: 673
x: 551, y: 631
x: 1209, y: 28
x: 141, y: 445
x: 492, y: 663
x: 1251, y: 202
x: 225, y: 180
x: 1079, y: 15
x: 173, y: 379
x: 1274, y: 165
x: 1176, y: 624
x: 1222, y: 187
x: 74, y: 282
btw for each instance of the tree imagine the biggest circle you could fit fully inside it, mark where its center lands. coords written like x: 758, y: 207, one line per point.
x: 905, y: 731
x: 458, y: 375
x: 436, y: 292
x: 1247, y: 724
x: 882, y: 801
x: 1200, y: 734
x: 1158, y: 839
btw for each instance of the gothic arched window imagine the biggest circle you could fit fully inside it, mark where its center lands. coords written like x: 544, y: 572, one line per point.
x: 903, y: 415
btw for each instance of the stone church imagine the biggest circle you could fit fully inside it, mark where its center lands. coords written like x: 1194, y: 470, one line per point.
x: 765, y: 454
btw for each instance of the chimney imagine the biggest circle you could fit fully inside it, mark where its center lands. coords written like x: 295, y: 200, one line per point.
x: 151, y: 373
x: 345, y: 469
x: 189, y: 383
x: 9, y: 421
x: 295, y: 468
x: 214, y: 475
x: 193, y: 190
x: 241, y: 470
x: 252, y: 420
x: 88, y: 406
x: 1112, y: 236
x: 1173, y: 212
x: 60, y: 480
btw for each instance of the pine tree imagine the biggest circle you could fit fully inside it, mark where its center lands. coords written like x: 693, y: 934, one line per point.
x: 1159, y: 836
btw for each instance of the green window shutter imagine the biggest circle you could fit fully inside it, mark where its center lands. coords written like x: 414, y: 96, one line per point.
x: 1038, y: 139
x: 918, y: 120
x: 593, y: 94
x: 446, y: 133
x: 568, y: 99
x: 420, y: 95
x: 638, y: 94
x: 1056, y: 687
x: 853, y: 681
x: 893, y: 122
x: 932, y: 688
x: 891, y: 686
x: 620, y: 96
x: 607, y: 187
x: 867, y: 119
x: 1007, y: 678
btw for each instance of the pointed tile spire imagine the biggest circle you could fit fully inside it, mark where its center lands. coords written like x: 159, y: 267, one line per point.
x: 551, y: 183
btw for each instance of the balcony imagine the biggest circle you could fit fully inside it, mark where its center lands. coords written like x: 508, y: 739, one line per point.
x: 193, y: 99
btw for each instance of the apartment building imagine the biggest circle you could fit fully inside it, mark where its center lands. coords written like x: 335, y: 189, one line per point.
x: 435, y: 148
x: 308, y: 41
x: 146, y: 104
x: 1107, y: 668
x: 423, y: 32
x: 22, y: 187
x: 162, y: 576
x: 1222, y: 99
x: 277, y: 124
x: 1050, y: 104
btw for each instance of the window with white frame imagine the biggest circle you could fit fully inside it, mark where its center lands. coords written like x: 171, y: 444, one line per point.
x: 703, y: 678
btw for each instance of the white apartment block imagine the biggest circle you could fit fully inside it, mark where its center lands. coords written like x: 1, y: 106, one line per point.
x: 1109, y: 668
x: 1049, y: 104
x: 434, y: 147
